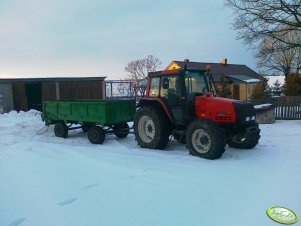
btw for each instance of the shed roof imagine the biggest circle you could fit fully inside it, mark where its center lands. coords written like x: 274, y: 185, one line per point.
x: 50, y: 79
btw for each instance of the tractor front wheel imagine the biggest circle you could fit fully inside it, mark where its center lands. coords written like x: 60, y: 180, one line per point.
x: 205, y: 139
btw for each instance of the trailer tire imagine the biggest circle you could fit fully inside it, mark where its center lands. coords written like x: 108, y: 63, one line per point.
x: 247, y: 142
x: 96, y: 135
x: 151, y: 128
x: 205, y: 139
x: 60, y: 130
x: 121, y: 130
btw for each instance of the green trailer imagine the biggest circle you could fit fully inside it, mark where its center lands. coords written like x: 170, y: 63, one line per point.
x: 97, y: 117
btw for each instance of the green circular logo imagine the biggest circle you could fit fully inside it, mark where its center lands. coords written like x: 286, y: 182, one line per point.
x: 282, y: 215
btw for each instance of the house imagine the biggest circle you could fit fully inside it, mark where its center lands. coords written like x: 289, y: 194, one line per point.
x: 28, y: 93
x: 235, y: 79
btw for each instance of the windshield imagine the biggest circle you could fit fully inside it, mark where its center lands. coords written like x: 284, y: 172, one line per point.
x: 196, y: 82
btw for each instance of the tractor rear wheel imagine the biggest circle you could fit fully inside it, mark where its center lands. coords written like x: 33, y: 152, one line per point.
x: 205, y: 139
x: 121, y: 130
x: 151, y: 128
x: 61, y: 130
x: 96, y: 135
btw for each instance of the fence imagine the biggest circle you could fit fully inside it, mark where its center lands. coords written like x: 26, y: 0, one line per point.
x: 123, y: 89
x: 286, y: 108
x: 288, y: 112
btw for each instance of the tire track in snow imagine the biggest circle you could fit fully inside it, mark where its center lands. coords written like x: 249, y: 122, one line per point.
x: 67, y: 202
x: 17, y: 222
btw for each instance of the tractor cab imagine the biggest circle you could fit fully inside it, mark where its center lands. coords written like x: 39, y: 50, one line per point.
x: 178, y: 88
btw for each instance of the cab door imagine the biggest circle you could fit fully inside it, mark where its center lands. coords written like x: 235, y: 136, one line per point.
x: 172, y: 94
x: 195, y: 85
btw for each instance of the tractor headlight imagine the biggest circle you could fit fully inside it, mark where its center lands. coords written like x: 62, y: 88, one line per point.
x: 248, y: 119
x: 253, y: 117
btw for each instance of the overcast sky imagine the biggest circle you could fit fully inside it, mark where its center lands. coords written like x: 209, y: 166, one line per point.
x: 99, y: 37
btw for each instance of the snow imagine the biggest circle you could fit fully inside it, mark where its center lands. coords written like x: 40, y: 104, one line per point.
x: 273, y: 79
x: 262, y: 106
x: 45, y: 180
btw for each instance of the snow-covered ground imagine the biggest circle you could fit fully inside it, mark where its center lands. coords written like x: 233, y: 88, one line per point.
x: 50, y: 181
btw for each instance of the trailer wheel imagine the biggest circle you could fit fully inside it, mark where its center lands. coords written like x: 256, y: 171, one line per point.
x: 205, y: 139
x: 96, y: 135
x: 151, y: 128
x: 61, y: 130
x: 243, y: 142
x: 121, y: 130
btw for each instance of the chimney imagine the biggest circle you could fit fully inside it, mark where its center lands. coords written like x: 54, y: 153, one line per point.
x: 186, y: 60
x: 224, y: 61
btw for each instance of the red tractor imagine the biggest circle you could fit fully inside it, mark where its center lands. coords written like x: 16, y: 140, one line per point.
x: 182, y: 103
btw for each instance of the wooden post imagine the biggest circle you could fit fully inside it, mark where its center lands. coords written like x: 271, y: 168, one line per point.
x: 57, y: 90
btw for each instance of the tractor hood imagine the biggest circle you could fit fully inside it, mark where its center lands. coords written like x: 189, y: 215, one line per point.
x: 223, y: 110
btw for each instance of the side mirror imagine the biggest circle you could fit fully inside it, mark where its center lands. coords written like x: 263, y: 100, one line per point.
x: 165, y: 83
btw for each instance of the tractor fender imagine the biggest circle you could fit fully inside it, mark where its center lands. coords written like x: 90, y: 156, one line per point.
x: 156, y: 102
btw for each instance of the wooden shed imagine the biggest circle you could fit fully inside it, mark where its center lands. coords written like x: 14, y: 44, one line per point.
x: 22, y: 94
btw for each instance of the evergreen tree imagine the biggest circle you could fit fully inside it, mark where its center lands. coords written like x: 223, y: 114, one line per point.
x: 292, y: 86
x: 276, y: 88
x: 261, y: 90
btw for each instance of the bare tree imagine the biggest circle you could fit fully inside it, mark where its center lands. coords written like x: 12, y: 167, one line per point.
x: 274, y: 56
x: 256, y: 20
x: 138, y: 69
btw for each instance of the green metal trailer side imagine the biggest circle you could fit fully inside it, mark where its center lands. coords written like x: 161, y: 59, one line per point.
x: 97, y: 117
x: 103, y: 112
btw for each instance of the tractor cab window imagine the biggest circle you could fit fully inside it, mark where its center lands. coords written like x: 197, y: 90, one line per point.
x: 194, y: 83
x: 154, y: 87
x: 170, y: 89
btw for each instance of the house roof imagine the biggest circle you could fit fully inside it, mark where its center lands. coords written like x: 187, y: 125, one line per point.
x: 220, y: 69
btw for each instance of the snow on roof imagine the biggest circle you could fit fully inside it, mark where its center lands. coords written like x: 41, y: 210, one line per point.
x: 244, y: 78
